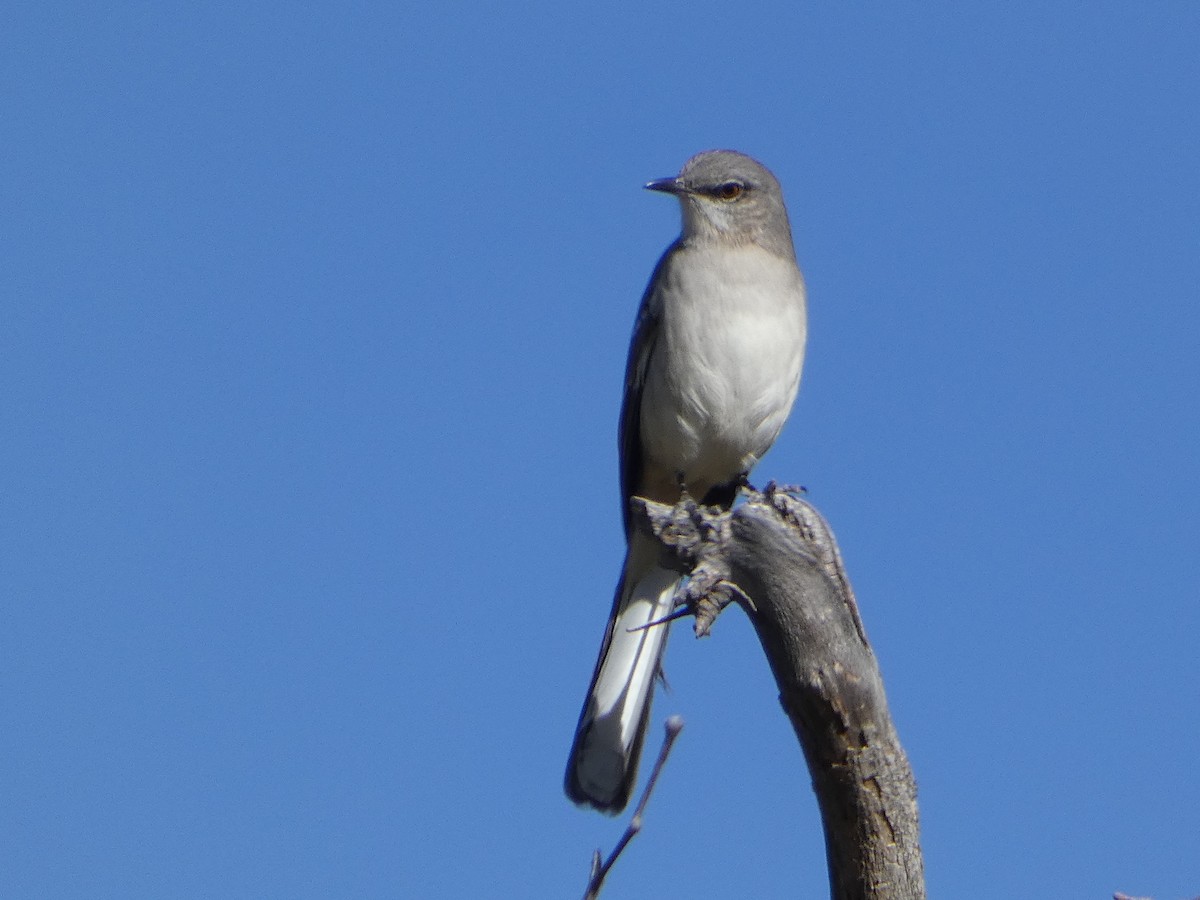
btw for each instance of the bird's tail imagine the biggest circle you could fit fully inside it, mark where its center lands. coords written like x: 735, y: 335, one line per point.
x: 602, y: 768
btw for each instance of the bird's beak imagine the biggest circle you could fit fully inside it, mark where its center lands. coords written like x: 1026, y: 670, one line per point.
x: 666, y: 186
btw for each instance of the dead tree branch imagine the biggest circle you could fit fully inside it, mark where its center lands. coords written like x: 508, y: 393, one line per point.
x: 777, y: 557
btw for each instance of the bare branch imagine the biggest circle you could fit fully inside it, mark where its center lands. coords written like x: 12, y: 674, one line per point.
x: 777, y: 549
x: 673, y: 725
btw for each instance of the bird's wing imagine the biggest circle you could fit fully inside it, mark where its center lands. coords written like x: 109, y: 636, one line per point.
x: 641, y: 350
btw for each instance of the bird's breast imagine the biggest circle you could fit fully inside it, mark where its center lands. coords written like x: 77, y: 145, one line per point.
x: 727, y: 364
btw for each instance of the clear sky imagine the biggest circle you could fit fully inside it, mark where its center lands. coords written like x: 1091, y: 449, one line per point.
x: 313, y: 320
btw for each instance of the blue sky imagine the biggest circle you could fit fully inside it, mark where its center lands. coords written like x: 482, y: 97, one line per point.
x: 312, y: 327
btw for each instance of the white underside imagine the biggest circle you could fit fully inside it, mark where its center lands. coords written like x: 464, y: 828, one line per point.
x: 727, y: 366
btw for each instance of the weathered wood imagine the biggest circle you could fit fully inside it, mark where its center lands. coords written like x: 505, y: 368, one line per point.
x: 778, y: 550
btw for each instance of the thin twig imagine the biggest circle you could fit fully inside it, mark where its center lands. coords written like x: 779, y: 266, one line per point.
x: 682, y: 613
x: 674, y: 725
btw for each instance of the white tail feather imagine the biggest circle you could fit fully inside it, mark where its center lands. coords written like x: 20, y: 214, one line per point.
x: 615, y: 712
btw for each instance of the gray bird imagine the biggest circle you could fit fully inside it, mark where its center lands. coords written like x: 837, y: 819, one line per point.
x: 712, y: 372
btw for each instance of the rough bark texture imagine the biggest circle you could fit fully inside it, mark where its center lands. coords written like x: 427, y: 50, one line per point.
x: 778, y: 550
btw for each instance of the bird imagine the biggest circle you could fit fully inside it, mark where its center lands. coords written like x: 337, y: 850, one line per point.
x: 713, y: 369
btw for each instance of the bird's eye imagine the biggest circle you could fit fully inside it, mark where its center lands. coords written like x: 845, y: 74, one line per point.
x: 730, y: 190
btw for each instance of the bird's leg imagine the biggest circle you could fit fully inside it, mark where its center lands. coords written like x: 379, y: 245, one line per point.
x: 681, y: 483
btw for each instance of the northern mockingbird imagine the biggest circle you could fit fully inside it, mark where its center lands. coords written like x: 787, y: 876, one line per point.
x: 712, y: 372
